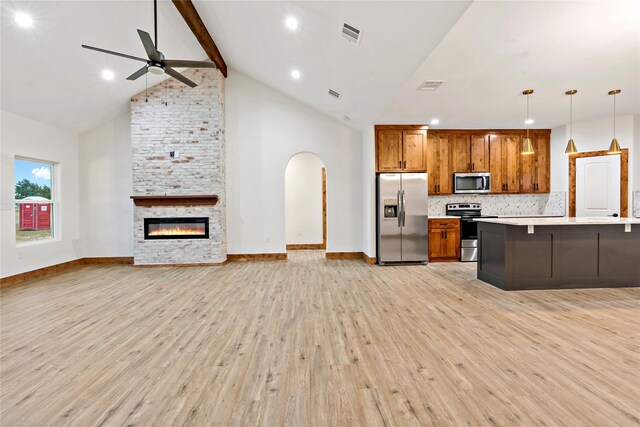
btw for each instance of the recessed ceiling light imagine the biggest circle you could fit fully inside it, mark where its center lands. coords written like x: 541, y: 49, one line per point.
x: 24, y: 20
x: 295, y: 74
x: 435, y: 121
x: 291, y: 23
x: 108, y: 75
x: 528, y: 122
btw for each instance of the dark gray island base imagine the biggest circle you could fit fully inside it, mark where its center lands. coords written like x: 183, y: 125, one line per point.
x: 518, y: 256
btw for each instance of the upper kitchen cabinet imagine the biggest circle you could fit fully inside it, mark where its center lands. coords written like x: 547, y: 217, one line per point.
x: 414, y: 150
x: 535, y: 168
x: 389, y: 150
x: 439, y: 165
x: 470, y: 152
x: 504, y: 162
x: 401, y: 148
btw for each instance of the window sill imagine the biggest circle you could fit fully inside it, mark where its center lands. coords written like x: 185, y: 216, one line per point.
x: 38, y: 242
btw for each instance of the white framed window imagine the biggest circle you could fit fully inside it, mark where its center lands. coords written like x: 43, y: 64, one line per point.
x: 35, y: 199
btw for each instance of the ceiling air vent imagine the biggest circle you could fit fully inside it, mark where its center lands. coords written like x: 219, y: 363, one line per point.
x: 333, y: 93
x: 351, y: 33
x: 430, y: 85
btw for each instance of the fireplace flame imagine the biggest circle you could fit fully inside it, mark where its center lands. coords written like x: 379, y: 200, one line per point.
x: 178, y: 231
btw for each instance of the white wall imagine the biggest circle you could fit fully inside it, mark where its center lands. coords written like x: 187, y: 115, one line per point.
x: 264, y: 129
x: 105, y: 187
x: 369, y: 191
x: 24, y: 137
x: 593, y: 135
x: 303, y: 199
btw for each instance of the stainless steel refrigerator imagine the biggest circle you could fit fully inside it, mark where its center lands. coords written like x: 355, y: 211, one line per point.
x: 402, y: 218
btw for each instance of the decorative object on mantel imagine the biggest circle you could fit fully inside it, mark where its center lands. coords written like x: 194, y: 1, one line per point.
x: 157, y: 64
x: 571, y: 146
x: 527, y: 146
x: 188, y: 200
x: 614, y: 148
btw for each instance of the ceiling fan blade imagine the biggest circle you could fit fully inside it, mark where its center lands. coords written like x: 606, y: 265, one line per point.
x: 176, y: 75
x: 153, y: 53
x: 110, y: 52
x: 141, y: 72
x: 189, y: 64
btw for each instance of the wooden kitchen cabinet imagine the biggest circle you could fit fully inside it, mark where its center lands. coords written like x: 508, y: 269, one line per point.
x: 439, y: 166
x: 389, y: 150
x: 535, y: 168
x: 444, y: 240
x: 415, y: 151
x: 470, y: 152
x: 401, y: 150
x: 504, y: 162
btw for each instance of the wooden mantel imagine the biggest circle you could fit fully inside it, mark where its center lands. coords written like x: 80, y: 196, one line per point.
x: 187, y: 200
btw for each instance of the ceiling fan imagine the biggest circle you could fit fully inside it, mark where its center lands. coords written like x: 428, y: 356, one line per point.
x: 157, y: 64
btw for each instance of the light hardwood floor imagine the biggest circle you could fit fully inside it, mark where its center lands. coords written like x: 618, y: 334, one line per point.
x: 310, y: 342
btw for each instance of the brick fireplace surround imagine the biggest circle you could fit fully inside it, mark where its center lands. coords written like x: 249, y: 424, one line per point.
x: 191, y: 124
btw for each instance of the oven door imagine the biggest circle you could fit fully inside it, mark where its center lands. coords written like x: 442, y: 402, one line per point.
x: 471, y: 183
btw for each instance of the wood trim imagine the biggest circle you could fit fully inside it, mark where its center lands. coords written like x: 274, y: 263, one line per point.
x: 343, y: 255
x: 324, y: 208
x: 189, y: 200
x: 199, y: 30
x: 203, y: 264
x: 624, y: 179
x: 304, y: 246
x: 256, y: 257
x: 107, y: 260
x: 400, y: 127
x: 57, y: 268
x: 369, y: 260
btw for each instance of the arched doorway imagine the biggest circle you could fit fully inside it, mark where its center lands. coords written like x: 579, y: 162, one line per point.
x: 305, y: 202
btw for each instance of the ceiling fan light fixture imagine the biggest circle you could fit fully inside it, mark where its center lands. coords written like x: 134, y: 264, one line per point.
x: 156, y: 69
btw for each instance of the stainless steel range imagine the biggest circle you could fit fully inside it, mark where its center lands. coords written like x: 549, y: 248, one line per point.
x: 468, y: 228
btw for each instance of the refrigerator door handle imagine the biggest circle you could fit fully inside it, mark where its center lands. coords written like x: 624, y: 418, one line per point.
x: 400, y: 209
x: 404, y: 214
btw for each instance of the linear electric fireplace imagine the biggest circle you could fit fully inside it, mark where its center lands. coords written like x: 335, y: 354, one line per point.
x: 176, y: 228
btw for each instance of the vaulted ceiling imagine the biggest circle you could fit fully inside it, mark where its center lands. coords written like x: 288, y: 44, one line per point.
x: 498, y: 49
x: 487, y: 53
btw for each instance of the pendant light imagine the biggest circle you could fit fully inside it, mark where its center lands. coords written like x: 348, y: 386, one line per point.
x: 571, y: 146
x: 527, y: 146
x: 614, y: 148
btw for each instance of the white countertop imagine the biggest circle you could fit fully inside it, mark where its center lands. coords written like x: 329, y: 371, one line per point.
x: 444, y: 217
x: 561, y: 221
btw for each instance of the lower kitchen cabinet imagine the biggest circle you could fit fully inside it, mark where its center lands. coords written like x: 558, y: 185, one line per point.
x: 444, y: 240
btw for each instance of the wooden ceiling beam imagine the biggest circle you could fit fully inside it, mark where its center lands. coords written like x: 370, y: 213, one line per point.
x: 193, y: 20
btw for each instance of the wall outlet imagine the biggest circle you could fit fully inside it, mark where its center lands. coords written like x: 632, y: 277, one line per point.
x: 267, y: 239
x: 19, y: 255
x: 299, y: 233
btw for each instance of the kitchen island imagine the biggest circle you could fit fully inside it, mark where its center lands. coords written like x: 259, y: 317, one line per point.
x: 559, y: 253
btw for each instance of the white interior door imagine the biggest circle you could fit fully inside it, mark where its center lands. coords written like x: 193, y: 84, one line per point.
x: 598, y: 186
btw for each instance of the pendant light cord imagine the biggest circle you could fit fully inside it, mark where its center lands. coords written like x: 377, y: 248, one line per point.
x: 571, y: 117
x: 528, y: 116
x: 614, y: 116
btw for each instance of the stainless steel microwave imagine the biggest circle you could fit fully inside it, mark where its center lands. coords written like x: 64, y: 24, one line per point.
x: 472, y: 183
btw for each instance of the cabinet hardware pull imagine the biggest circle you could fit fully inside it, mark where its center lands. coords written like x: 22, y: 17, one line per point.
x: 400, y: 164
x: 473, y: 166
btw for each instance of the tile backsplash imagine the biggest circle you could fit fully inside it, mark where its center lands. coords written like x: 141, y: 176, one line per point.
x: 636, y: 204
x: 552, y: 204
